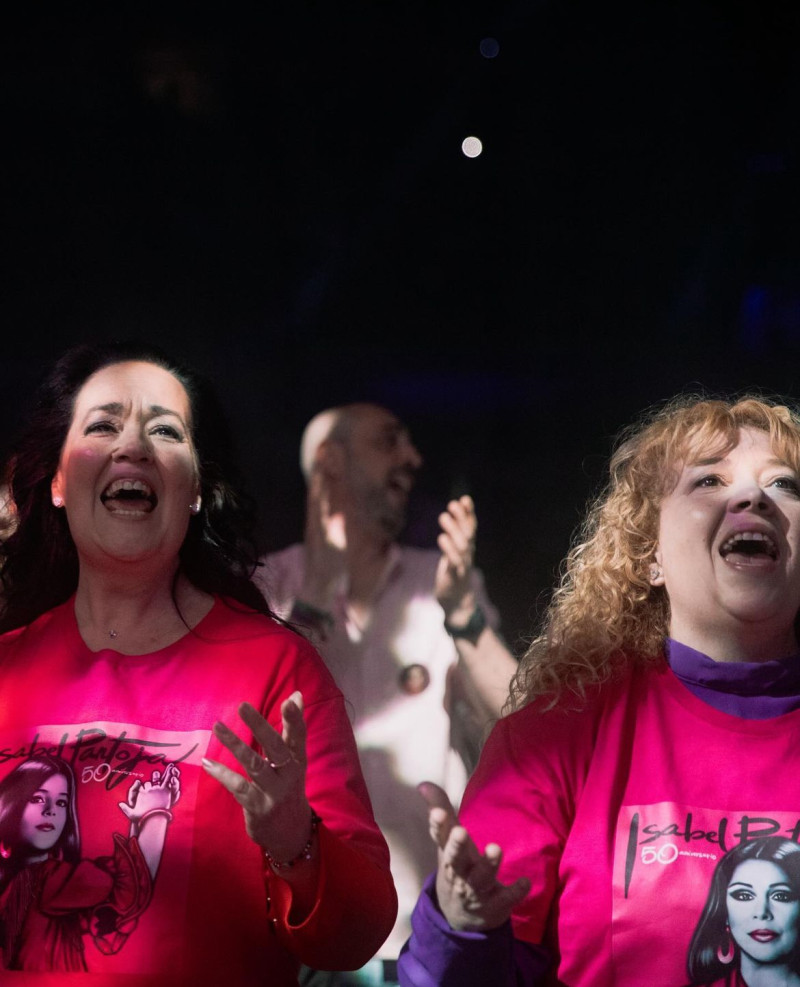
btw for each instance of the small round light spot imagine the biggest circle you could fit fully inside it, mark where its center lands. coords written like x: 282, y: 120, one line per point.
x: 471, y: 147
x: 490, y: 47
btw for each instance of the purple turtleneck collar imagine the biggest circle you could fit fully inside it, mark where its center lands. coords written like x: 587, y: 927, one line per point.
x: 751, y: 690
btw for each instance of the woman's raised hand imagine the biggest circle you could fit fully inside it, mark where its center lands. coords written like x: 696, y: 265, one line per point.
x: 470, y: 896
x: 273, y: 798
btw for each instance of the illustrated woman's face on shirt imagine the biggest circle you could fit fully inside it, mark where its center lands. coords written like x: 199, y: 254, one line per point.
x: 763, y: 911
x: 45, y: 815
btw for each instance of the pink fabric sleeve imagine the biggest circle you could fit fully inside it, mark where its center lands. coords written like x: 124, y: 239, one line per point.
x: 356, y: 907
x: 356, y: 900
x: 522, y: 796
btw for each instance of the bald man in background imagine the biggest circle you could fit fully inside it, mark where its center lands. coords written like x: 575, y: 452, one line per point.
x: 408, y: 634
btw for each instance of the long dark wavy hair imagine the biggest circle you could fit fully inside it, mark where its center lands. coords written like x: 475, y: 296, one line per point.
x: 38, y: 560
x: 710, y: 935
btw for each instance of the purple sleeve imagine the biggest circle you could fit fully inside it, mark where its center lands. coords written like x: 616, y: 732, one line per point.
x: 438, y: 956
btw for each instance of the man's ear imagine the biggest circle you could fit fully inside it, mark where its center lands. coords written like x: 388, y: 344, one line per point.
x: 330, y: 459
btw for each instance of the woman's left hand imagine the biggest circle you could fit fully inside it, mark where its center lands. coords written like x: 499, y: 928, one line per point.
x: 276, y: 811
x: 468, y: 892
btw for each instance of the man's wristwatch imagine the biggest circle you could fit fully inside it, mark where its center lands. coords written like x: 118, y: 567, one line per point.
x: 470, y: 631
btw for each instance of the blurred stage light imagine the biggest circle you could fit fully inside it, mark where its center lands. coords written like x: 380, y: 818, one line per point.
x: 490, y: 47
x: 471, y: 147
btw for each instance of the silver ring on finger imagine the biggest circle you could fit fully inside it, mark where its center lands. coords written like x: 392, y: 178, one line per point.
x: 279, y: 764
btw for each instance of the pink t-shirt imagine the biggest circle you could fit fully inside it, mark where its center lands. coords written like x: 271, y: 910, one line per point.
x: 619, y: 816
x: 214, y: 913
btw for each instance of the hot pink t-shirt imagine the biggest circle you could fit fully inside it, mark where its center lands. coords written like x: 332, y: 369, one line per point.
x: 113, y: 724
x: 619, y: 815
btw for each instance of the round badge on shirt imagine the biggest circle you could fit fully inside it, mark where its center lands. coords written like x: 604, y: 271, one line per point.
x: 414, y: 679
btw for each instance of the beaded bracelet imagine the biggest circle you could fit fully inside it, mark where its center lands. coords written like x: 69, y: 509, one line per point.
x: 305, y: 853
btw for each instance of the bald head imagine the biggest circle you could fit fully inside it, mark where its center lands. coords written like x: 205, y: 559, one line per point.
x: 338, y: 424
x: 315, y: 433
x: 367, y: 458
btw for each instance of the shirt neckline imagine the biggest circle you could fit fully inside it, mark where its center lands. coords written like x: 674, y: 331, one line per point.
x: 748, y: 690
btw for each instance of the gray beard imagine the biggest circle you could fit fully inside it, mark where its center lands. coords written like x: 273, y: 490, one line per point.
x: 391, y: 520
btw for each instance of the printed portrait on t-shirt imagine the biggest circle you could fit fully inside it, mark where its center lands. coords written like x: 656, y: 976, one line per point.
x: 750, y: 926
x: 85, y: 814
x: 715, y: 894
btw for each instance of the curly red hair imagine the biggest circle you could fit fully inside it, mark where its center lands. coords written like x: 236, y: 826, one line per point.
x: 604, y: 615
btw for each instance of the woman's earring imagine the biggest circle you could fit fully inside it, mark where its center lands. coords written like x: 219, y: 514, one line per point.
x: 656, y: 572
x: 5, y: 851
x: 727, y: 954
x: 58, y: 501
x: 195, y: 506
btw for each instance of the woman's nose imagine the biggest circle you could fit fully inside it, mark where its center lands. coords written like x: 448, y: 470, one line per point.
x: 132, y: 446
x: 750, y: 497
x: 763, y: 912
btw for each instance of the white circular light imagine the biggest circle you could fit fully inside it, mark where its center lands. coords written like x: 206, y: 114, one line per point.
x: 471, y: 147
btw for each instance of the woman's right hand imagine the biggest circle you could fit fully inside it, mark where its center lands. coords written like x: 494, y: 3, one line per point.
x: 470, y: 896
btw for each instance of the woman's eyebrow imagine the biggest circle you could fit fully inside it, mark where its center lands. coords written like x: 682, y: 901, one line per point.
x: 112, y: 408
x: 116, y: 408
x: 713, y: 460
x: 156, y: 410
x: 775, y: 884
x: 706, y: 461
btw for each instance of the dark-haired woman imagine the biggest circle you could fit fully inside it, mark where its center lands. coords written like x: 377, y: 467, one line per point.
x: 50, y: 896
x: 134, y: 639
x: 749, y: 932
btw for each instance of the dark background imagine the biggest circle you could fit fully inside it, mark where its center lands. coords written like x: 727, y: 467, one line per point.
x: 278, y: 195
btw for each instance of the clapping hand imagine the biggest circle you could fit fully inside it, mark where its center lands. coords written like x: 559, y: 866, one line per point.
x: 457, y: 544
x: 272, y: 796
x: 470, y: 896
